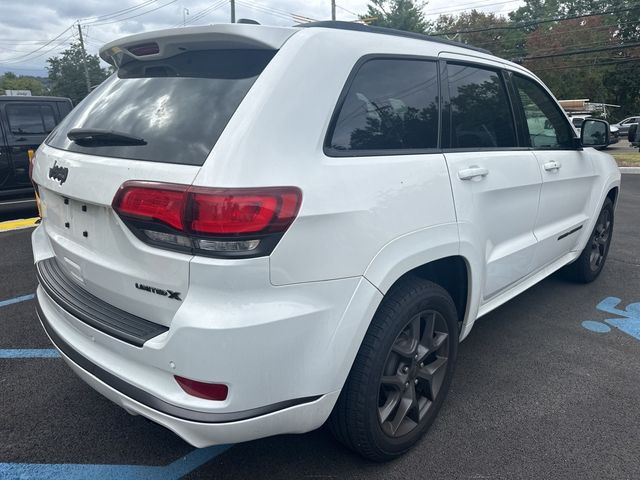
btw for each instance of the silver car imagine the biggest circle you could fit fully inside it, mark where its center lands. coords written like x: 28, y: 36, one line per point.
x: 624, y: 125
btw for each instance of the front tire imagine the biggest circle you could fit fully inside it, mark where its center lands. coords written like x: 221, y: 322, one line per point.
x: 592, y: 259
x: 401, y: 373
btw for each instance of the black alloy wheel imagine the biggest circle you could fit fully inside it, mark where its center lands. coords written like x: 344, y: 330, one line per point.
x: 413, y: 374
x: 402, y: 372
x: 600, y: 239
x: 590, y: 263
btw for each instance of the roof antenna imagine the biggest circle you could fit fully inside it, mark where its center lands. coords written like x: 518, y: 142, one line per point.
x: 248, y: 21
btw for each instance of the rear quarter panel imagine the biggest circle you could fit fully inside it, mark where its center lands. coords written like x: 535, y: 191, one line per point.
x: 353, y: 207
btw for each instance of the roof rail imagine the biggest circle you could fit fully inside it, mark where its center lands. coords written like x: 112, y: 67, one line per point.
x: 358, y: 27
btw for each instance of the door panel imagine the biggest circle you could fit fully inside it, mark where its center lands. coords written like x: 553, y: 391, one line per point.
x: 498, y: 211
x: 496, y: 184
x: 568, y: 175
x: 564, y: 201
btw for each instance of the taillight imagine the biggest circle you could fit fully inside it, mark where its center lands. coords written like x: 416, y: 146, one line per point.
x: 156, y: 204
x: 220, y: 222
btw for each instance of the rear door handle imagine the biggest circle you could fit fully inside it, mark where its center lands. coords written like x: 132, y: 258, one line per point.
x: 472, y: 172
x: 552, y: 165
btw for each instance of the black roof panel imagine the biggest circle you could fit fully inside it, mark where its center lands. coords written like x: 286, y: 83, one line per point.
x: 358, y: 27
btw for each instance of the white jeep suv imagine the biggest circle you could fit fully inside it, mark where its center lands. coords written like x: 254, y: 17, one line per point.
x: 249, y: 230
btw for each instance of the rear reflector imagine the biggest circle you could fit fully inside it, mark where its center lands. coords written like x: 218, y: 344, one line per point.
x: 224, y: 222
x: 208, y: 391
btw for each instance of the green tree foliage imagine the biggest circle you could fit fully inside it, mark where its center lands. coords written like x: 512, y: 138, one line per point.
x: 572, y: 76
x: 66, y: 73
x: 400, y: 14
x: 11, y: 81
x: 504, y: 43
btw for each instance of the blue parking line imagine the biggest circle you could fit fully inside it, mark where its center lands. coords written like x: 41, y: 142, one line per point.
x: 173, y: 471
x: 22, y: 298
x: 29, y: 353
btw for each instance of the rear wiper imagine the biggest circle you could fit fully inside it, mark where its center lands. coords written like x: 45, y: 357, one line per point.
x: 100, y: 137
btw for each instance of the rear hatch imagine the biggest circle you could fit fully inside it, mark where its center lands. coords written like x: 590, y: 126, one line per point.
x: 156, y: 119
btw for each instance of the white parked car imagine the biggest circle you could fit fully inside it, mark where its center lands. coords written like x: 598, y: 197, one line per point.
x: 250, y: 230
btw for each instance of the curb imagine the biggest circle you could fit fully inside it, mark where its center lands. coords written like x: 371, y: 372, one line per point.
x: 625, y: 170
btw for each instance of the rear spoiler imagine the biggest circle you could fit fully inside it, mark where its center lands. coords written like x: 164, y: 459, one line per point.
x: 167, y: 43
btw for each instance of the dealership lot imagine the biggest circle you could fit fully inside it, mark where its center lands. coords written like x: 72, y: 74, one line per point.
x: 537, y: 393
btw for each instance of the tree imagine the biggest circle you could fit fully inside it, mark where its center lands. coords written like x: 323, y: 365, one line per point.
x: 503, y: 43
x: 399, y: 14
x: 11, y: 81
x: 67, y: 77
x: 573, y: 76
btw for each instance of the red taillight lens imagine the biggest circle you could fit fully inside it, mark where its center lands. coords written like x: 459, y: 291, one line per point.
x: 213, y: 221
x: 154, y: 204
x: 232, y: 214
x: 208, y: 391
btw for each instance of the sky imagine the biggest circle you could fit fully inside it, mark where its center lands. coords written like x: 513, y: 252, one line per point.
x: 33, y: 30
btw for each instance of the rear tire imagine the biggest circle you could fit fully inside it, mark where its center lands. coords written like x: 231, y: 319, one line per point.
x: 592, y: 259
x: 401, y: 373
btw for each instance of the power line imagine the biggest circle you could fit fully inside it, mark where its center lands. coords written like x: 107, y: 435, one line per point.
x: 588, y: 65
x: 19, y: 57
x: 347, y: 10
x: 58, y: 45
x: 468, y: 6
x: 517, y: 26
x: 276, y: 12
x: 96, y: 24
x: 117, y: 13
x: 582, y: 51
x: 203, y: 13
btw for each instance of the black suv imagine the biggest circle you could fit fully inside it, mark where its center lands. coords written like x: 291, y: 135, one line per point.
x: 24, y: 124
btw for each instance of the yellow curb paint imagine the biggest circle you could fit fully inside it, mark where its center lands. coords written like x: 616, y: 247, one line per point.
x: 18, y: 224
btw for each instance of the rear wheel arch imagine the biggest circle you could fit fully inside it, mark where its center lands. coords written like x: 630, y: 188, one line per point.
x: 451, y: 273
x: 613, y: 195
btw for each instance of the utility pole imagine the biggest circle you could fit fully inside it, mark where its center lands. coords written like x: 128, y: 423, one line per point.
x: 333, y: 10
x: 233, y: 11
x: 84, y: 59
x: 185, y: 12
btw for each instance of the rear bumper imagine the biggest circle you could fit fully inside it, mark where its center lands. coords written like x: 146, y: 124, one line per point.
x: 284, y: 353
x: 201, y: 429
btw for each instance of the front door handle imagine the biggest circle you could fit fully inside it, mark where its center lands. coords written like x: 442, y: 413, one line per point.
x: 472, y: 172
x: 552, y: 165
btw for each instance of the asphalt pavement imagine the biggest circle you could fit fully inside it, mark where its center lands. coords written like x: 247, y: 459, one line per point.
x: 537, y: 394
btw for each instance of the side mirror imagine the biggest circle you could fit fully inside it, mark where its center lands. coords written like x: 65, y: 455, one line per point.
x: 594, y: 133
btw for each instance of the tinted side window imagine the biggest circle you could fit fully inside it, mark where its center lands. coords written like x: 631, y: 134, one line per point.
x: 25, y: 119
x: 63, y: 108
x: 48, y: 118
x: 547, y: 125
x: 391, y: 104
x: 480, y: 112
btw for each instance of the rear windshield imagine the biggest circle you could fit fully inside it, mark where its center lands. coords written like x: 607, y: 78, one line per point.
x: 179, y: 105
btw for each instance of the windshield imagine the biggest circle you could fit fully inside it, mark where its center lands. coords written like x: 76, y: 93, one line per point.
x: 178, y: 105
